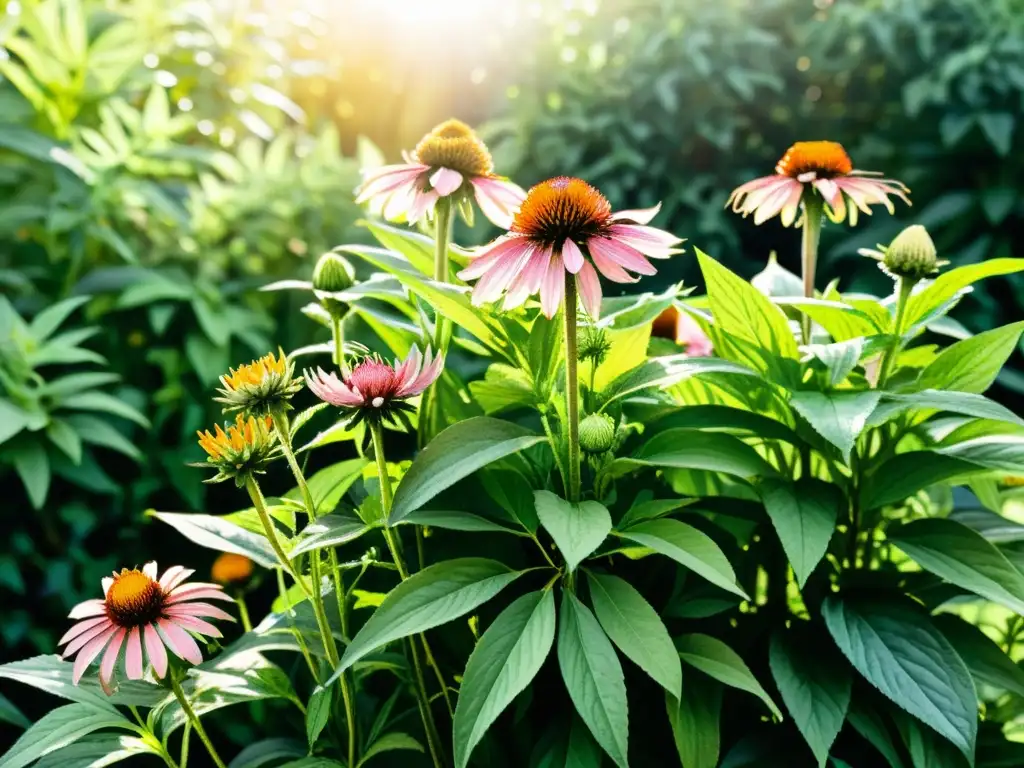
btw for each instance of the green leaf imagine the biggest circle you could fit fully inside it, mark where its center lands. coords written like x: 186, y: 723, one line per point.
x: 839, y: 358
x: 971, y: 365
x: 1003, y: 452
x: 950, y: 284
x: 962, y: 556
x: 965, y: 403
x: 927, y: 749
x: 841, y: 321
x: 546, y: 353
x: 96, y: 431
x: 651, y: 509
x: 839, y: 417
x: 869, y: 724
x: 434, y: 596
x: 96, y: 751
x: 894, y: 645
x: 716, y: 659
x: 667, y: 371
x: 694, y: 720
x: 804, y: 514
x: 456, y: 453
x: 329, y: 484
x: 985, y: 660
x: 726, y: 419
x: 33, y: 467
x: 318, y: 711
x: 743, y: 311
x: 329, y: 531
x: 907, y: 473
x: 390, y: 742
x: 418, y: 248
x: 12, y: 420
x: 57, y: 729
x: 50, y: 319
x: 220, y: 535
x: 815, y: 687
x: 689, y: 547
x: 64, y: 436
x: 694, y: 449
x: 11, y: 714
x: 506, y: 659
x: 455, y: 520
x: 94, y: 400
x: 635, y: 627
x: 503, y: 388
x: 513, y: 494
x: 52, y: 674
x: 272, y: 750
x: 593, y: 677
x: 578, y: 529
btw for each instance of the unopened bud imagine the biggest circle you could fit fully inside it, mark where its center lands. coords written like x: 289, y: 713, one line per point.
x: 333, y: 273
x: 911, y: 254
x: 597, y: 433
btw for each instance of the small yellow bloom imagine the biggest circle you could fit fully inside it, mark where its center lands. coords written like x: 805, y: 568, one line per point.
x: 241, y: 450
x: 230, y: 568
x: 260, y: 387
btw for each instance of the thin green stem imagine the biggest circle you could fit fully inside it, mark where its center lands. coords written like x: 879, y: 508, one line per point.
x: 572, y: 388
x: 893, y: 352
x: 198, y: 726
x: 442, y: 237
x: 282, y: 591
x: 243, y: 612
x: 813, y: 210
x: 546, y: 422
x: 186, y: 738
x: 338, y: 334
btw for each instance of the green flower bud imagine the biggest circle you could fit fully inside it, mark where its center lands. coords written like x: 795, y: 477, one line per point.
x: 594, y: 345
x: 597, y: 433
x: 912, y: 254
x: 331, y: 275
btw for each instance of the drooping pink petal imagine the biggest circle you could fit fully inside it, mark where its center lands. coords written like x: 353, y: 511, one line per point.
x: 590, y: 290
x: 110, y: 656
x: 483, y: 260
x: 88, y: 653
x: 155, y: 651
x: 423, y: 203
x: 400, y: 201
x: 195, y: 625
x: 328, y: 387
x: 552, y: 289
x: 133, y: 655
x: 572, y: 256
x: 490, y: 286
x: 446, y: 181
x: 651, y: 242
x: 639, y: 215
x: 498, y: 199
x: 179, y: 641
x: 607, y: 267
x: 198, y: 609
x: 791, y: 207
x: 409, y: 369
x: 88, y: 636
x: 431, y: 370
x: 173, y: 576
x: 829, y: 190
x: 82, y: 626
x: 771, y: 205
x: 379, y: 181
x: 197, y: 590
x: 621, y: 254
x: 527, y: 282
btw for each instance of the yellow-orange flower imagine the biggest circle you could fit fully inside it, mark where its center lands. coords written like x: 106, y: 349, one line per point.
x: 259, y: 387
x: 230, y: 568
x: 241, y: 450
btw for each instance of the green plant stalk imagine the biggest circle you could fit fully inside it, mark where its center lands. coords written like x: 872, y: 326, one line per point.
x: 546, y: 422
x: 243, y: 612
x: 442, y: 238
x: 893, y: 352
x: 284, y: 438
x: 572, y: 388
x: 338, y: 334
x: 282, y: 592
x: 386, y: 497
x: 179, y: 694
x: 813, y: 211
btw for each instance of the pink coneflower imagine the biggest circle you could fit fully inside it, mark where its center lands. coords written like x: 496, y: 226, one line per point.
x: 137, y: 608
x: 679, y: 326
x: 449, y: 162
x: 566, y: 225
x: 820, y: 168
x: 374, y: 389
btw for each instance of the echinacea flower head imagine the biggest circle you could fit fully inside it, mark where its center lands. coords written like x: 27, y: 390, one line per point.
x: 679, y: 326
x: 911, y: 255
x: 566, y: 226
x: 451, y: 162
x: 230, y: 569
x: 140, y: 610
x: 260, y: 387
x: 376, y: 390
x: 240, y: 451
x: 815, y: 170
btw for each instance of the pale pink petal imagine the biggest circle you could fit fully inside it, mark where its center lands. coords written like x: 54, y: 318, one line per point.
x: 197, y: 590
x: 86, y: 637
x: 690, y: 334
x: 328, y: 387
x: 179, y: 641
x: 791, y: 207
x: 410, y: 368
x: 552, y: 289
x: 196, y: 625
x: 87, y: 608
x: 485, y: 258
x: 829, y: 190
x: 590, y: 290
x: 607, y: 267
x: 772, y: 204
x: 655, y: 243
x: 149, y: 569
x: 527, y: 282
x: 572, y: 256
x: 446, y: 181
x: 198, y: 609
x: 110, y: 657
x: 381, y: 180
x: 422, y: 204
x: 133, y: 655
x: 155, y: 650
x: 640, y: 216
x: 492, y: 284
x: 173, y: 576
x: 80, y: 627
x: 88, y: 653
x: 498, y: 199
x: 431, y: 370
x: 621, y: 254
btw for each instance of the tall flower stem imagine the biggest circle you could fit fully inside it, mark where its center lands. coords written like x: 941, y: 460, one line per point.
x: 338, y: 334
x: 442, y: 238
x: 813, y: 211
x: 429, y: 726
x: 179, y: 694
x: 243, y: 611
x: 572, y: 388
x: 284, y: 438
x: 905, y: 288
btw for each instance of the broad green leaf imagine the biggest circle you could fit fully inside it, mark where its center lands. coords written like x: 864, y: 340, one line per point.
x: 927, y: 749
x: 971, y: 365
x: 966, y: 403
x: 455, y: 520
x: 635, y: 627
x: 318, y: 712
x: 329, y: 484
x: 97, y: 750
x: 390, y: 742
x: 11, y: 714
x: 716, y: 659
x: 513, y: 494
x: 840, y: 358
x: 52, y: 674
x: 1003, y: 452
x: 457, y: 452
x: 50, y: 319
x: 502, y: 388
x: 815, y: 687
x: 839, y: 417
x: 64, y: 436
x: 662, y: 372
x: 962, y: 556
x: 985, y: 660
x: 948, y: 285
x: 593, y: 677
x: 59, y: 728
x: 434, y: 596
x: 804, y: 514
x: 32, y: 464
x: 725, y: 419
x: 897, y: 649
x: 908, y: 473
x: 694, y: 720
x: 506, y: 659
x: 868, y: 723
x: 416, y: 247
x: 841, y: 321
x: 651, y: 509
x: 994, y: 527
x: 743, y: 311
x: 694, y: 449
x: 97, y: 431
x: 329, y: 531
x: 689, y: 547
x: 220, y: 535
x: 578, y: 529
x: 271, y: 750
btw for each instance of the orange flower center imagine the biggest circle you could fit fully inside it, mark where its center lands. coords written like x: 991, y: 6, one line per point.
x: 562, y: 209
x: 230, y: 568
x: 255, y: 372
x: 134, y: 599
x: 826, y: 159
x: 454, y: 145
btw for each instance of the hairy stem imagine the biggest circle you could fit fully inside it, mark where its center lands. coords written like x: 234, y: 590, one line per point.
x: 813, y: 210
x: 179, y: 694
x: 572, y: 388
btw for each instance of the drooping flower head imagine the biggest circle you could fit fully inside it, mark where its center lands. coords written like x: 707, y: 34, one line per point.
x: 821, y: 169
x: 137, y: 610
x: 449, y: 162
x: 376, y: 390
x: 242, y: 450
x: 566, y: 225
x: 260, y: 387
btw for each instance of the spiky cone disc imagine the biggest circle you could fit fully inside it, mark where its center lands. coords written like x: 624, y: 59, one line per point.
x: 260, y: 387
x: 241, y: 450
